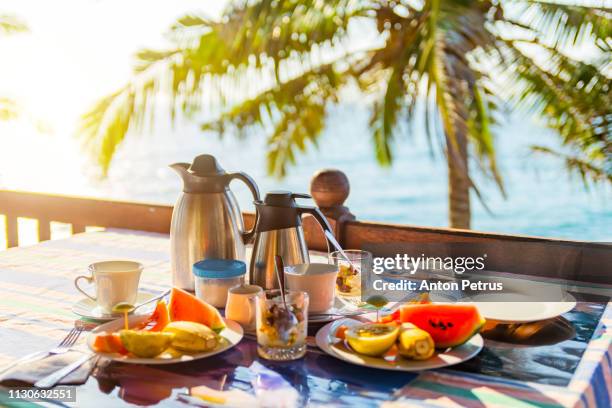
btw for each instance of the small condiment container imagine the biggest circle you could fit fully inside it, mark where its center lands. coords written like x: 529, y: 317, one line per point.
x: 214, y: 277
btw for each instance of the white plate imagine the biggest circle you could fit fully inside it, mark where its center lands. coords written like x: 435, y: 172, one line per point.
x: 493, y: 307
x: 89, y: 309
x: 232, y: 334
x: 523, y: 301
x: 325, y: 341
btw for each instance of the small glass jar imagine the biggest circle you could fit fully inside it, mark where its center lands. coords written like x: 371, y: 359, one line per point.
x: 214, y: 277
x: 281, y: 333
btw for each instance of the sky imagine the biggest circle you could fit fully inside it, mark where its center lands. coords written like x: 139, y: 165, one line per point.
x: 62, y: 65
x: 75, y: 52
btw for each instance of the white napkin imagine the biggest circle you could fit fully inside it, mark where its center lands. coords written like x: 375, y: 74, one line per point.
x: 30, y: 372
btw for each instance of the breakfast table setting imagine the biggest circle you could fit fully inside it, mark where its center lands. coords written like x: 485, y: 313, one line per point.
x: 36, y: 315
x: 221, y: 316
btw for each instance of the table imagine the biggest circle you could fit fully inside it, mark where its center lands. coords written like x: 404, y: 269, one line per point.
x: 36, y: 295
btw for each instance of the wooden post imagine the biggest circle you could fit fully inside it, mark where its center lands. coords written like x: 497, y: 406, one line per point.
x: 78, y: 228
x: 12, y: 234
x: 329, y: 188
x: 44, y: 230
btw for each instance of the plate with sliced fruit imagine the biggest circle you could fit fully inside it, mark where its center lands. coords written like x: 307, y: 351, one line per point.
x: 417, y: 337
x: 185, y: 329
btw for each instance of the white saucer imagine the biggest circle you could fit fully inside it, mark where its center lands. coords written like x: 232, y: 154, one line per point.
x: 89, y: 309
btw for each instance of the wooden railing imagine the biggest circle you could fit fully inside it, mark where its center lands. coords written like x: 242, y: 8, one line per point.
x: 576, y: 260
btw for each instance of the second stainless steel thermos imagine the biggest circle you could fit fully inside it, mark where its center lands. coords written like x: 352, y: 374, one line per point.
x: 278, y: 231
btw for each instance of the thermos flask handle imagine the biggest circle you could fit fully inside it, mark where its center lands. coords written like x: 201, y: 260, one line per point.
x: 250, y: 183
x: 315, y: 212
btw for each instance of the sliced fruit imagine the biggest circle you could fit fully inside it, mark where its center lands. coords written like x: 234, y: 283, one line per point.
x: 423, y: 298
x: 341, y: 332
x: 391, y: 354
x: 192, y: 336
x: 109, y: 343
x: 186, y: 307
x: 372, y: 339
x: 144, y: 343
x: 158, y: 319
x: 449, y: 325
x: 415, y: 343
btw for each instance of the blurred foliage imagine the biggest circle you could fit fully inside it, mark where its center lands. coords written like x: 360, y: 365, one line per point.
x: 8, y: 109
x: 8, y: 25
x: 277, y: 65
x: 11, y: 24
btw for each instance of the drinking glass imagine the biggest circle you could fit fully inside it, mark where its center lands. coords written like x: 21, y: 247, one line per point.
x: 279, y: 336
x: 348, y: 281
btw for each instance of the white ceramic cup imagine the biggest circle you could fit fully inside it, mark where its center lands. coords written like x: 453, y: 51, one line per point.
x: 115, y: 282
x: 240, y: 306
x: 316, y: 279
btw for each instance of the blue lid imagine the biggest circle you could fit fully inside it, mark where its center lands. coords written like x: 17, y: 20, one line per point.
x: 219, y: 268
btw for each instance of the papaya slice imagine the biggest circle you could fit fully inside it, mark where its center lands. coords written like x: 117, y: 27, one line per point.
x: 186, y: 307
x: 158, y: 319
x: 109, y: 343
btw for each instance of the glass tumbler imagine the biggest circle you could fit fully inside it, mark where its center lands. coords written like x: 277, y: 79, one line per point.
x: 348, y: 281
x: 281, y: 334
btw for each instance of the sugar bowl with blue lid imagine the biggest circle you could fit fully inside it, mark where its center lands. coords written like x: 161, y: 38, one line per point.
x: 214, y: 277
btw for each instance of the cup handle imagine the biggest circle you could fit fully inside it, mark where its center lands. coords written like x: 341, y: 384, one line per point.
x: 89, y: 279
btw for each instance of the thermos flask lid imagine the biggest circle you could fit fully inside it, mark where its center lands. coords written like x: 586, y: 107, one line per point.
x: 219, y: 268
x: 205, y: 165
x: 282, y: 198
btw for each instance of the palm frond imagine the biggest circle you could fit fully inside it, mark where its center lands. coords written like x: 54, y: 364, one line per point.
x: 583, y: 166
x: 106, y: 125
x: 242, y: 54
x: 11, y: 24
x: 385, y: 115
x: 291, y: 135
x: 293, y: 111
x: 8, y: 109
x: 565, y: 24
x: 573, y: 95
x: 481, y: 134
x: 574, y: 99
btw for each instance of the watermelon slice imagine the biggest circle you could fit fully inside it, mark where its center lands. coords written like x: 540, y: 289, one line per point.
x: 423, y: 298
x: 186, y: 307
x: 449, y: 325
x: 158, y: 319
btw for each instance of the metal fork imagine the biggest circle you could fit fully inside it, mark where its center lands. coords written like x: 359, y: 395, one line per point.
x: 68, y: 341
x: 65, y: 345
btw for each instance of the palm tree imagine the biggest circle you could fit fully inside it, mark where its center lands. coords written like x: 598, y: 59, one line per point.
x: 8, y: 25
x: 277, y: 64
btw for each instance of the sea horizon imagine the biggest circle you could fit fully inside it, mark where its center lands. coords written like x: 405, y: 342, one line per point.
x: 542, y: 198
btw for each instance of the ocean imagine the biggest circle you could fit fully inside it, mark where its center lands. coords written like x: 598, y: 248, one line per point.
x: 542, y: 199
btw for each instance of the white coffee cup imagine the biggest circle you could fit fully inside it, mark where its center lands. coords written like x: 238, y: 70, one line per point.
x: 115, y: 281
x: 316, y: 279
x: 240, y: 306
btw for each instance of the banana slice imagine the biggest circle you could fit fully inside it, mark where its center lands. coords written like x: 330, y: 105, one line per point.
x: 191, y: 336
x: 415, y: 343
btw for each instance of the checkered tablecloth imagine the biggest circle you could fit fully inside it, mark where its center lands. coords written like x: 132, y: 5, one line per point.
x: 36, y: 295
